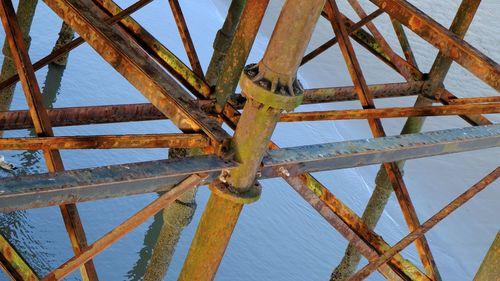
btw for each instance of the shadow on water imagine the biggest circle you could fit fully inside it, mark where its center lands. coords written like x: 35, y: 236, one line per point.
x: 137, y: 272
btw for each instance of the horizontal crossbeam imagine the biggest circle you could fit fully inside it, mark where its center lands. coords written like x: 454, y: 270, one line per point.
x: 348, y: 154
x: 44, y: 190
x: 106, y: 142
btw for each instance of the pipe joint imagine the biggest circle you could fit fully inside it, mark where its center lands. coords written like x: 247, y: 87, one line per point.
x: 264, y: 86
x: 227, y: 191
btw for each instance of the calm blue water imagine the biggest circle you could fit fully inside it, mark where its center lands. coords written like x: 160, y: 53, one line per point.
x: 280, y: 237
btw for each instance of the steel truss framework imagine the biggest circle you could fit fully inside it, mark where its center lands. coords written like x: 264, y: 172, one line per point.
x: 199, y: 103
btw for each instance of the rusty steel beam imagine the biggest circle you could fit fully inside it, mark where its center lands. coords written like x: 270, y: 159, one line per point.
x: 474, y: 100
x: 121, y: 180
x: 340, y: 94
x: 14, y: 264
x: 271, y: 88
x: 43, y: 190
x: 134, y: 64
x: 352, y: 28
x: 389, y: 90
x: 392, y: 112
x: 473, y: 119
x: 106, y: 142
x: 125, y: 227
x: 426, y: 226
x: 398, y: 62
x: 349, y: 225
x: 459, y: 26
x: 383, y: 188
x: 186, y: 38
x: 446, y: 41
x: 347, y: 154
x: 64, y: 49
x: 163, y: 56
x: 310, y: 182
x: 367, y: 41
x: 404, y: 43
x: 72, y: 116
x: 366, y: 100
x: 42, y: 126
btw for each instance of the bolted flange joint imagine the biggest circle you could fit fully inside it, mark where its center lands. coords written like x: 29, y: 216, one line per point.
x: 225, y: 190
x: 271, y: 92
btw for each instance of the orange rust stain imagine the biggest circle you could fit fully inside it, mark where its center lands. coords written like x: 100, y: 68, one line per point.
x: 415, y: 22
x: 454, y: 54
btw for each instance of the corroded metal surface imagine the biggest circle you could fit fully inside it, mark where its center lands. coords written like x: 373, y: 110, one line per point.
x: 14, y: 264
x: 295, y: 160
x: 422, y: 229
x: 347, y: 223
x: 128, y: 225
x: 392, y: 112
x: 199, y: 106
x: 366, y: 100
x: 321, y: 157
x: 446, y: 41
x: 25, y: 192
x: 238, y: 50
x: 134, y: 64
x: 43, y: 128
x: 267, y: 86
x: 106, y: 142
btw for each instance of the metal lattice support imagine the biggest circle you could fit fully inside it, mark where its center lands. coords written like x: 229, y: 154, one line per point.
x: 200, y: 103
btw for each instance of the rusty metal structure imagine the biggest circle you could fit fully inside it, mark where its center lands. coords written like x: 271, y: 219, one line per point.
x: 232, y: 163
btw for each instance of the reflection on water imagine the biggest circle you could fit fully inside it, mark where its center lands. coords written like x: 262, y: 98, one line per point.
x: 139, y: 269
x: 277, y: 238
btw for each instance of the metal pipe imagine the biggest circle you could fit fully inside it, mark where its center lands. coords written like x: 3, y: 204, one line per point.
x: 238, y: 51
x: 270, y: 88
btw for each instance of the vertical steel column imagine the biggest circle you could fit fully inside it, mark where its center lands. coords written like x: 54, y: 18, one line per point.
x: 223, y: 39
x: 270, y: 87
x: 490, y: 267
x: 238, y: 51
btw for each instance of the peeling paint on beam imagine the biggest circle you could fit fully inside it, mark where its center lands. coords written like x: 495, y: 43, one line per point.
x: 50, y: 189
x: 44, y: 190
x: 130, y: 60
x: 348, y: 154
x: 446, y: 41
x: 106, y: 142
